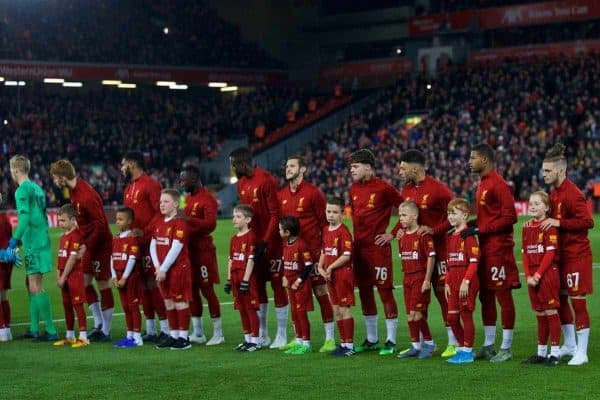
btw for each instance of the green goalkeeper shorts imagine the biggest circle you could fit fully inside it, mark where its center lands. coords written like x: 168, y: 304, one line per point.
x: 37, y: 261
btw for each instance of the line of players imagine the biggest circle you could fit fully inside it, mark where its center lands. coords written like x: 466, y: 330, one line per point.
x: 371, y: 200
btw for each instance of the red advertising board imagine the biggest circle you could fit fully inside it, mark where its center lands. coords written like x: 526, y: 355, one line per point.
x: 429, y: 24
x: 538, y: 13
x: 367, y: 72
x: 568, y: 49
x: 137, y: 73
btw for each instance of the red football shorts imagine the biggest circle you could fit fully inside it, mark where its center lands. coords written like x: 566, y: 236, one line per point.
x: 498, y: 271
x: 414, y: 299
x: 453, y: 280
x: 74, y: 287
x: 341, y: 287
x: 302, y: 298
x: 545, y: 295
x: 96, y: 261
x: 5, y: 274
x: 576, y: 275
x: 205, y: 271
x: 373, y: 266
x: 246, y: 301
x: 178, y: 285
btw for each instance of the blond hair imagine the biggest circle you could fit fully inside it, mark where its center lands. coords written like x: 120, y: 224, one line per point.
x: 20, y: 163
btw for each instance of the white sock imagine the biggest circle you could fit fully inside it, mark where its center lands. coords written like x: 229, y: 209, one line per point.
x: 451, y: 338
x: 430, y: 342
x: 299, y: 340
x: 542, y: 350
x: 217, y: 327
x: 349, y: 345
x: 184, y: 334
x: 507, y: 335
x: 555, y: 351
x: 417, y: 345
x: 254, y: 339
x: 467, y: 349
x: 129, y: 334
x: 137, y: 337
x: 70, y: 335
x: 329, y: 331
x: 107, y: 320
x: 150, y: 327
x: 371, y: 324
x: 96, y: 313
x: 490, y: 335
x: 82, y: 335
x: 164, y: 326
x: 391, y: 326
x: 568, y: 331
x: 174, y: 334
x: 306, y: 343
x: 197, y: 326
x: 583, y: 336
x: 247, y: 338
x: 262, y: 319
x: 282, y: 321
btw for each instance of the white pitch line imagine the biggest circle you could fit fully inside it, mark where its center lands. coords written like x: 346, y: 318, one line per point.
x: 228, y: 303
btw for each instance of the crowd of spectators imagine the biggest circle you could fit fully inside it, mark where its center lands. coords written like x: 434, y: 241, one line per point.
x: 94, y: 127
x: 153, y: 32
x: 441, y: 6
x: 520, y: 109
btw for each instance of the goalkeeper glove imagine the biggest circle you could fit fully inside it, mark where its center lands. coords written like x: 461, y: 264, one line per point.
x: 13, y: 242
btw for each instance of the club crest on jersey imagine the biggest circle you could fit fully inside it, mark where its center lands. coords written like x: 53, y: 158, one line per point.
x: 423, y: 205
x: 335, y: 242
x: 244, y: 246
x: 559, y: 210
x: 415, y: 245
x: 540, y: 236
x: 371, y: 203
x: 135, y: 196
x: 482, y: 198
x: 169, y: 230
x: 300, y: 205
x: 255, y: 195
x: 284, y: 202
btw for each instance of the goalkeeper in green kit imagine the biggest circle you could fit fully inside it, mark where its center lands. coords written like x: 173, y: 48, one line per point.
x: 32, y: 234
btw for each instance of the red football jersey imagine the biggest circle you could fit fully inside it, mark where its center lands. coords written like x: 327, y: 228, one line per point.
x: 536, y: 242
x: 241, y: 249
x: 122, y: 249
x: 415, y: 249
x: 165, y: 232
x: 5, y: 233
x: 201, y: 209
x: 432, y: 198
x: 336, y: 243
x: 90, y: 215
x: 69, y: 244
x: 372, y: 203
x: 495, y: 214
x: 461, y: 252
x: 570, y: 207
x: 142, y: 195
x: 260, y: 192
x: 295, y: 257
x: 307, y: 204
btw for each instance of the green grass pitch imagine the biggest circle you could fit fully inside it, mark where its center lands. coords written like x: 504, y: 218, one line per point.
x: 36, y: 370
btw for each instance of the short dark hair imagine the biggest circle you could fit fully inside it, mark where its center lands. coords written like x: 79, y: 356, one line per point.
x: 484, y: 150
x: 413, y: 157
x: 137, y: 157
x: 301, y: 160
x: 242, y: 154
x: 128, y: 211
x: 191, y: 169
x: 336, y: 201
x: 363, y: 156
x: 290, y: 224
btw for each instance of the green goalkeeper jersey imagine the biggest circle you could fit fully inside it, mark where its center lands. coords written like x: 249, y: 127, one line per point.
x: 32, y: 228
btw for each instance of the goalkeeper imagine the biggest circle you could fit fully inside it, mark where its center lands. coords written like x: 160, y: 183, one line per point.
x: 32, y: 234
